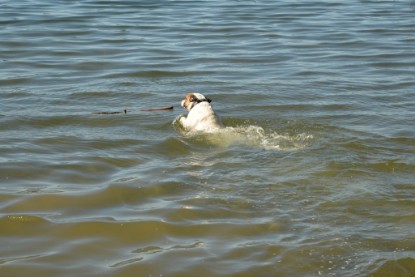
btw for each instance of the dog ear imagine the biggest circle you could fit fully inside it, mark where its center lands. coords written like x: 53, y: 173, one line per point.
x: 193, y: 98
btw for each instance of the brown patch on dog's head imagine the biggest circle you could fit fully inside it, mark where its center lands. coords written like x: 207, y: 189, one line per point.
x: 192, y: 99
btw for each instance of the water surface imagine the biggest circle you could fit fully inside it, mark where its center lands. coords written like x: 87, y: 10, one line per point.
x: 313, y: 174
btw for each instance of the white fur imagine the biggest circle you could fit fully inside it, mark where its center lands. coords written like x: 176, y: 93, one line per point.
x: 201, y: 116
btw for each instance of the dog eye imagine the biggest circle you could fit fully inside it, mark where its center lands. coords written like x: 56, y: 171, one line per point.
x: 193, y: 98
x: 208, y: 99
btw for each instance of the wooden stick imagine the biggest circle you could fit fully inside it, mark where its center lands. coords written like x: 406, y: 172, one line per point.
x: 159, y: 109
x: 145, y: 110
x: 125, y: 112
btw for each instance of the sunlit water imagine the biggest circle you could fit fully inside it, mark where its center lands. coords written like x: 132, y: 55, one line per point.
x: 312, y: 174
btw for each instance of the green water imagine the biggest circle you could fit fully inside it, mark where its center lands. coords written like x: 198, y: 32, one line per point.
x: 313, y: 174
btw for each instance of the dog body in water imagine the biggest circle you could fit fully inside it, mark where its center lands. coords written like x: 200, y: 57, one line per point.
x: 201, y: 116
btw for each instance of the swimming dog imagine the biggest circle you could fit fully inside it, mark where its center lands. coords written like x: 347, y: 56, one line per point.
x: 201, y: 116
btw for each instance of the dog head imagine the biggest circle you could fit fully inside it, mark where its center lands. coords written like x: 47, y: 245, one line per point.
x: 192, y: 99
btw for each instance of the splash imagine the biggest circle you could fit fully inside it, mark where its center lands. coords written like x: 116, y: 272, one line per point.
x: 250, y: 135
x: 272, y: 140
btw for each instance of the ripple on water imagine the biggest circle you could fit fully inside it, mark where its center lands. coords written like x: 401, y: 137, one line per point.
x: 404, y: 267
x: 313, y: 174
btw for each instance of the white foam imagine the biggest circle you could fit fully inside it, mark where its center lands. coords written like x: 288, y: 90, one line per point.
x: 256, y: 136
x: 251, y: 135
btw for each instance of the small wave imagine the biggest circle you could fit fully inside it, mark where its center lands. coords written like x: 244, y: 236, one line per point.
x: 251, y: 135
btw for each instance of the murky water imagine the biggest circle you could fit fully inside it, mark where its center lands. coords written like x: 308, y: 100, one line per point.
x: 313, y: 174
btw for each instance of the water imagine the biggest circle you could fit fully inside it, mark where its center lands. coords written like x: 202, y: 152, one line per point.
x: 312, y: 176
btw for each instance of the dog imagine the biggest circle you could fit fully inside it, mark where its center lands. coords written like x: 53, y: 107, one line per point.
x: 201, y: 116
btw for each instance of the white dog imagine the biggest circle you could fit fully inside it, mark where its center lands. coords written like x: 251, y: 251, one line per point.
x: 201, y: 116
